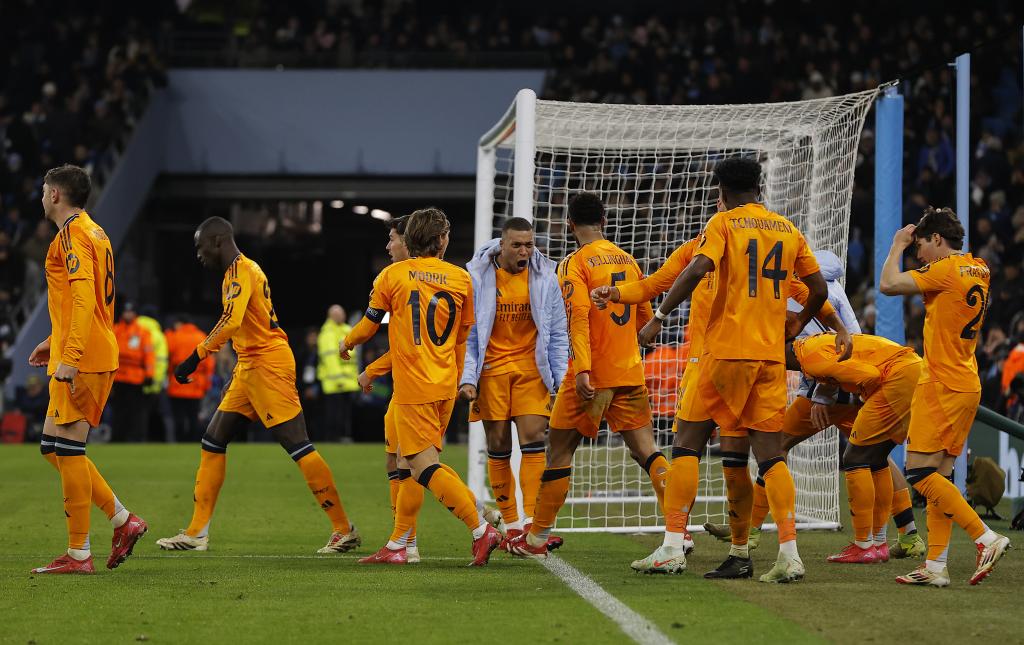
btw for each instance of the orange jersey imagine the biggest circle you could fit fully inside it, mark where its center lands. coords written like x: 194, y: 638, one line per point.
x: 249, y: 320
x: 955, y: 292
x: 80, y: 297
x: 863, y: 372
x: 756, y: 254
x: 609, y: 333
x: 431, y: 306
x: 514, y: 336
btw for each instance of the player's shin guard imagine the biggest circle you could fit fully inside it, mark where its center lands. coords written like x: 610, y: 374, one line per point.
x: 102, y: 495
x: 882, y: 479
x: 503, y: 484
x: 531, y: 469
x: 902, y: 511
x: 860, y: 488
x: 554, y: 487
x: 321, y: 483
x: 453, y: 494
x: 778, y: 484
x: 393, y: 484
x: 740, y: 495
x: 680, y: 491
x: 759, y: 509
x: 657, y: 469
x: 76, y: 483
x: 209, y: 479
x: 407, y: 509
x: 947, y: 498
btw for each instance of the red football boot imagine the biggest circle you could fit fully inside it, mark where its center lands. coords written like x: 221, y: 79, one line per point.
x: 483, y: 545
x: 882, y: 552
x: 554, y: 541
x: 510, y: 535
x: 853, y: 554
x: 386, y: 556
x: 67, y: 564
x: 520, y: 547
x: 125, y: 537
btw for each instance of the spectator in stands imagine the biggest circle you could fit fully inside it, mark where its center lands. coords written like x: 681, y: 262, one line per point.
x: 182, y: 338
x: 12, y: 269
x: 338, y: 378
x: 306, y: 360
x: 136, y: 363
x: 31, y: 400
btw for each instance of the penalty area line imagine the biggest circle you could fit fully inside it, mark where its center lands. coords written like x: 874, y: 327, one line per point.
x: 630, y: 622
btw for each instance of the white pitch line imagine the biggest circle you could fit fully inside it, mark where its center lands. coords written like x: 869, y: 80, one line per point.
x: 630, y: 622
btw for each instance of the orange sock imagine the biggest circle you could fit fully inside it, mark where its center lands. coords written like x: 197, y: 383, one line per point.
x: 949, y: 500
x: 902, y: 510
x: 778, y: 484
x: 940, y: 528
x: 393, y: 490
x: 499, y: 471
x: 860, y: 489
x: 531, y: 469
x: 321, y: 483
x: 657, y: 469
x: 407, y: 509
x: 76, y: 484
x: 759, y: 509
x: 453, y: 494
x: 739, y: 493
x: 102, y: 496
x: 680, y: 490
x: 554, y: 487
x: 883, y: 499
x: 209, y: 479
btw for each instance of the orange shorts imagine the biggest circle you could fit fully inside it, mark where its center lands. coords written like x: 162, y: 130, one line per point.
x: 689, y: 406
x: 627, y: 407
x: 87, y: 401
x: 264, y: 389
x: 390, y: 433
x: 741, y: 394
x: 797, y: 421
x: 940, y: 418
x: 886, y: 413
x: 420, y: 425
x: 509, y: 395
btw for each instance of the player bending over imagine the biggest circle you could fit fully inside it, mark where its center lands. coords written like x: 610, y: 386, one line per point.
x: 80, y: 356
x: 262, y: 387
x: 955, y: 286
x: 605, y: 378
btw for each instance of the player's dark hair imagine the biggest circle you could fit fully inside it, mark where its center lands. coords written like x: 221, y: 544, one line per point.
x: 516, y: 224
x: 738, y: 175
x: 216, y: 226
x: 944, y: 222
x: 74, y: 183
x: 424, y: 230
x: 398, y: 224
x: 586, y: 209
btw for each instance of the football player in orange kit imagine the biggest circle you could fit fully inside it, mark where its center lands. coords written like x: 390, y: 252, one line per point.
x: 955, y: 286
x: 81, y: 357
x: 605, y: 380
x: 262, y: 387
x: 431, y: 307
x: 741, y: 378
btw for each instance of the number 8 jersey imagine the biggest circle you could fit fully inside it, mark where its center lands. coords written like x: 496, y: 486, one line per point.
x: 755, y: 252
x: 81, y: 254
x: 431, y: 306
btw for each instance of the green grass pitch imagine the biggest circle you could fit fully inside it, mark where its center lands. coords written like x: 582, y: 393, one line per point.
x: 262, y: 582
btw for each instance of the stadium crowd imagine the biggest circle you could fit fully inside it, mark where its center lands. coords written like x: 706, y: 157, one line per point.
x: 73, y: 85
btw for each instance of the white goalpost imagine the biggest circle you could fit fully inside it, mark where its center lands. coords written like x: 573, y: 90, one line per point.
x: 652, y: 165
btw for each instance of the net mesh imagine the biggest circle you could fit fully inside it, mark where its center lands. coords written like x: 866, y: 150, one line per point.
x: 652, y: 165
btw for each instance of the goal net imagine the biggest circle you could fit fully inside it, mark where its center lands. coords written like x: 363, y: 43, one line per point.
x: 652, y: 166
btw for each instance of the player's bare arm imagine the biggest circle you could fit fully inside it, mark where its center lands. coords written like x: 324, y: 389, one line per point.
x: 818, y: 294
x: 894, y: 282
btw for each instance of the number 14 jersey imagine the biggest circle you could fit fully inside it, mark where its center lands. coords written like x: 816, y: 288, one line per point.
x: 431, y: 306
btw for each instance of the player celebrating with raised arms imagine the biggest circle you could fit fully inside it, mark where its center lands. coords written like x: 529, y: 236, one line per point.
x: 741, y: 378
x: 80, y: 356
x: 516, y: 356
x: 955, y: 286
x: 605, y: 379
x: 431, y: 307
x: 262, y: 387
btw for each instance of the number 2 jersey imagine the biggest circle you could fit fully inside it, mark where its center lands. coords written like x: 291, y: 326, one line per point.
x: 431, y: 306
x: 80, y: 264
x: 955, y: 292
x: 248, y: 319
x: 602, y: 341
x: 756, y: 252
